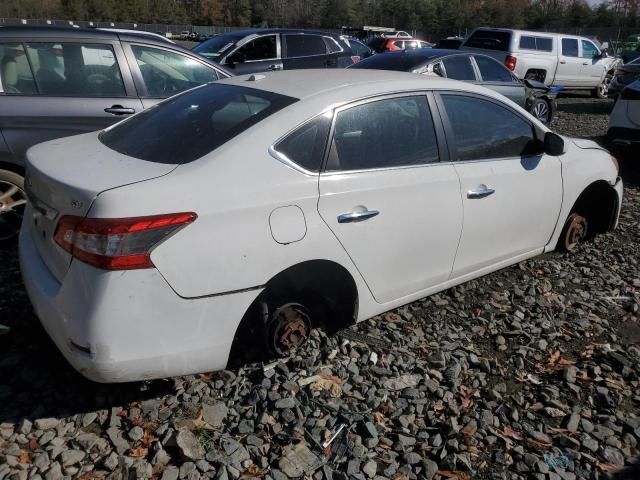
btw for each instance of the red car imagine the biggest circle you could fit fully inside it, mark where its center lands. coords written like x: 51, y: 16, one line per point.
x: 380, y: 45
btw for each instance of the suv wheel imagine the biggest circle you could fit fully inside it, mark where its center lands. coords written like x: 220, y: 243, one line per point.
x: 12, y: 202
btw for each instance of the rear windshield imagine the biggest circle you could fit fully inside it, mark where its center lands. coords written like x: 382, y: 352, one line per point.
x: 400, y: 61
x: 188, y: 126
x: 489, y: 40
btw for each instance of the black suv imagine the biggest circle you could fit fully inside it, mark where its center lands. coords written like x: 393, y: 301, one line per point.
x: 56, y: 82
x: 260, y: 50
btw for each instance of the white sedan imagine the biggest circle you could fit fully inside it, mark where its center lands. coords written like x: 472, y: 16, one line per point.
x: 242, y: 214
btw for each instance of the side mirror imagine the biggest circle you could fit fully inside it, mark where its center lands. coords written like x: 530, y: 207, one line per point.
x: 553, y: 144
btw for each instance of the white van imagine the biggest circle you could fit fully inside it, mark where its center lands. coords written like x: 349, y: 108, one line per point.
x: 552, y: 58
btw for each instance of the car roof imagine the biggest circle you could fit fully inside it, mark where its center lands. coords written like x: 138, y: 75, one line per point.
x: 304, y: 84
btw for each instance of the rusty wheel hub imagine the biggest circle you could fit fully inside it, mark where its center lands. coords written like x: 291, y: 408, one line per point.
x: 576, y: 231
x: 288, y: 328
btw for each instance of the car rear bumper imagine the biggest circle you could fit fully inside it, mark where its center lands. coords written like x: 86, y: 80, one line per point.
x: 129, y: 325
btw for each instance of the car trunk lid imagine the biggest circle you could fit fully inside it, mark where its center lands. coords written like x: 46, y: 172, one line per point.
x: 64, y: 177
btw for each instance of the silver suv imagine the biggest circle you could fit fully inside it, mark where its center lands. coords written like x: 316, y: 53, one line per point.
x: 56, y: 82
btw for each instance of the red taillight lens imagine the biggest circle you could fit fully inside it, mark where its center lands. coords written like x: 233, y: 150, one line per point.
x: 117, y: 243
x: 510, y: 62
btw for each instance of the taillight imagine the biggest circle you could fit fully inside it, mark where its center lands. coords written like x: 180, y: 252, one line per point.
x: 117, y: 243
x: 510, y: 62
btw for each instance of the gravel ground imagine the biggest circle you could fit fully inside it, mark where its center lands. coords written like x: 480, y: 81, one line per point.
x: 531, y: 372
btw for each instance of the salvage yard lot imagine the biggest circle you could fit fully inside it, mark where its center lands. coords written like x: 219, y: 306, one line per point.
x: 531, y: 372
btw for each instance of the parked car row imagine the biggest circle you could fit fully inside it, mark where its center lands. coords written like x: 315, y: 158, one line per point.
x: 285, y: 180
x: 474, y: 68
x: 624, y: 124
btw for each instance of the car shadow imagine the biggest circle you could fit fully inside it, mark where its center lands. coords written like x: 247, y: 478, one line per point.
x: 35, y: 379
x: 595, y: 107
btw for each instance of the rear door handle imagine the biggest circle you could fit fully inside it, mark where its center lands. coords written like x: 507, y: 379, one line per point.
x: 480, y: 192
x: 357, y: 215
x: 119, y: 110
x: 275, y: 67
x: 585, y: 63
x: 563, y: 62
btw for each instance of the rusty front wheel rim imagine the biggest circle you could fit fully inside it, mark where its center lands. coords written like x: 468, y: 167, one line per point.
x: 576, y: 231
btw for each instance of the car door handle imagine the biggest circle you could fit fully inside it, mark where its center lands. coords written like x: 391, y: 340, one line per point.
x: 358, y: 215
x: 563, y: 62
x: 585, y: 63
x: 480, y: 192
x: 119, y: 110
x: 275, y: 67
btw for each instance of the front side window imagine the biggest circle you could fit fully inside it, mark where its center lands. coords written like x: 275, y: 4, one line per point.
x: 75, y: 69
x: 166, y: 73
x: 189, y: 126
x: 305, y: 45
x: 483, y: 130
x: 589, y: 50
x: 306, y: 145
x: 387, y: 133
x: 569, y: 47
x: 492, y: 71
x: 262, y: 48
x: 16, y: 77
x: 459, y: 67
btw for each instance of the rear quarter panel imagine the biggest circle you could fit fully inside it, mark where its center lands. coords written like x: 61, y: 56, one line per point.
x: 234, y: 190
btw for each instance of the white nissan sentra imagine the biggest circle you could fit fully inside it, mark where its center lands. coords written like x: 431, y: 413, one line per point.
x: 242, y: 214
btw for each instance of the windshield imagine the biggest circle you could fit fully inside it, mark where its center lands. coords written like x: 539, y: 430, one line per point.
x: 190, y: 125
x: 215, y: 47
x: 399, y: 61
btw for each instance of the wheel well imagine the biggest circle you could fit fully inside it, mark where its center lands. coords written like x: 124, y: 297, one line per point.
x: 326, y: 288
x: 598, y: 203
x: 324, y: 280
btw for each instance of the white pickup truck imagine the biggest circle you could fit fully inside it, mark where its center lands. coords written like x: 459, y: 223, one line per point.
x: 555, y: 59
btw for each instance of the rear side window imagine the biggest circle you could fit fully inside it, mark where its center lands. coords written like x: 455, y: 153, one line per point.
x: 569, y: 47
x: 490, y: 40
x: 500, y: 134
x: 306, y: 145
x: 387, y: 133
x: 188, y: 126
x: 459, y: 67
x: 492, y: 71
x: 16, y: 77
x: 305, y: 45
x: 544, y: 44
x: 75, y: 69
